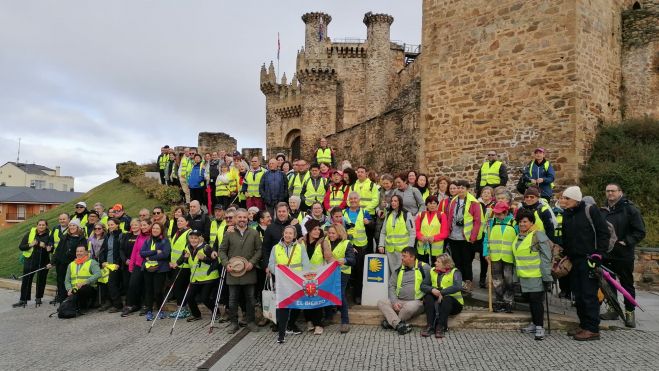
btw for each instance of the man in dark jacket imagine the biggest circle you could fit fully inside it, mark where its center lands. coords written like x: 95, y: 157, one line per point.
x: 199, y: 220
x: 274, y: 186
x: 630, y: 230
x: 109, y: 257
x: 275, y: 231
x: 585, y: 245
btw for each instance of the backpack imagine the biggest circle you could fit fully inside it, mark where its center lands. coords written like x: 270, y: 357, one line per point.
x: 68, y: 308
x: 612, y: 232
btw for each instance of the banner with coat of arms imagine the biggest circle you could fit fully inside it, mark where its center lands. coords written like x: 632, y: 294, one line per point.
x: 308, y: 289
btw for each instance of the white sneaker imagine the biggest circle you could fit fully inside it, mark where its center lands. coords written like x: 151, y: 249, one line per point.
x: 530, y: 329
x: 539, y: 333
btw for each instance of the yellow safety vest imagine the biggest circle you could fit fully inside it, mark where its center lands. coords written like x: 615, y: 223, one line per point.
x: 225, y: 189
x: 490, y: 173
x: 546, y: 166
x: 317, y: 258
x: 200, y: 270
x: 339, y: 252
x: 447, y: 281
x: 397, y: 236
x: 151, y: 263
x: 162, y: 161
x: 300, y: 216
x: 215, y: 229
x: 179, y: 243
x: 539, y: 225
x: 105, y: 272
x: 81, y: 275
x: 297, y: 183
x: 253, y: 180
x: 57, y: 236
x: 324, y: 156
x: 30, y: 238
x: 312, y: 194
x: 357, y: 234
x: 500, y: 244
x: 418, y: 279
x: 281, y: 257
x: 169, y: 225
x: 369, y: 195
x: 469, y: 219
x: 425, y: 194
x: 430, y: 230
x: 336, y: 195
x: 83, y: 222
x: 558, y: 231
x: 527, y: 261
x: 186, y: 166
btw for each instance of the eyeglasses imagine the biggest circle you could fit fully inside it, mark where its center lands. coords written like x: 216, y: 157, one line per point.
x: 612, y: 191
x: 228, y: 217
x: 491, y: 154
x: 157, y: 212
x: 98, y: 229
x: 80, y: 207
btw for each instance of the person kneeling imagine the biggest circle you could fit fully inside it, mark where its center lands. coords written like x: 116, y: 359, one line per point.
x: 443, y: 296
x: 81, y: 278
x: 404, y: 293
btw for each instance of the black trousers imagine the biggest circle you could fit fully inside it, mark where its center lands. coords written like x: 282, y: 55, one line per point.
x: 205, y: 292
x: 246, y: 293
x: 162, y: 175
x: 85, y: 296
x: 584, y: 287
x: 60, y: 270
x: 449, y: 306
x: 154, y: 286
x: 358, y: 272
x: 113, y: 286
x: 478, y: 248
x: 26, y: 285
x: 180, y: 284
x: 286, y: 318
x: 564, y: 285
x: 625, y: 272
x: 315, y: 316
x: 135, y: 287
x: 463, y: 254
x: 198, y: 194
x: 536, y: 300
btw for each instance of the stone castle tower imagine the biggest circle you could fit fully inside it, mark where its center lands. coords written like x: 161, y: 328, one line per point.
x: 509, y: 75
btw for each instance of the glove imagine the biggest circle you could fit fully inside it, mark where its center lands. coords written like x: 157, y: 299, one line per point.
x: 547, y: 285
x: 594, y: 260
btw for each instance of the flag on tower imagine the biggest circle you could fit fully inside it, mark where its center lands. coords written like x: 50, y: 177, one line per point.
x: 320, y: 29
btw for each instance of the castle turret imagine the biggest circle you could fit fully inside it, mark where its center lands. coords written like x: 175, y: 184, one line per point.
x: 379, y: 67
x: 315, y: 32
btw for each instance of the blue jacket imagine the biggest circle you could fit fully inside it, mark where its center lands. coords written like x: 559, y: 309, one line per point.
x: 274, y: 187
x: 196, y: 177
x: 548, y: 176
x: 162, y: 258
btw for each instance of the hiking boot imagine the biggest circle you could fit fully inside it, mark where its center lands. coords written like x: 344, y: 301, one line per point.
x: 37, y: 302
x: 318, y: 330
x: 609, y: 315
x: 530, y: 329
x: 427, y: 331
x: 439, y: 333
x: 539, y: 333
x: 253, y: 327
x: 310, y: 326
x: 574, y: 331
x: 345, y: 328
x: 630, y: 319
x: 403, y: 328
x: 21, y: 303
x: 385, y: 325
x: 293, y: 330
x: 128, y: 311
x: 233, y: 328
x: 149, y: 316
x: 586, y: 335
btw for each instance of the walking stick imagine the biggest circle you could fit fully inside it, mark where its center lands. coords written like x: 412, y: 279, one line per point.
x: 27, y: 274
x: 489, y: 286
x: 164, y: 301
x: 217, y: 300
x: 547, y: 303
x: 183, y: 301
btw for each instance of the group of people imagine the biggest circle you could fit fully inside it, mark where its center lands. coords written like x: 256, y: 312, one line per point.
x: 304, y: 215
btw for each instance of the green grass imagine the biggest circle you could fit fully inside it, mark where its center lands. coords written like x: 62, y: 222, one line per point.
x: 107, y: 193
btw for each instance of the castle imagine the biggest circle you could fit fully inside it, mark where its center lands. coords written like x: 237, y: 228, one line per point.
x: 508, y: 75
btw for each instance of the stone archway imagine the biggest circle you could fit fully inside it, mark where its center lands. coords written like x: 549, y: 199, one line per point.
x: 293, y: 141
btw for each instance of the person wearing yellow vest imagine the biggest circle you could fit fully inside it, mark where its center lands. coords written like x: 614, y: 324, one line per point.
x: 59, y: 230
x: 35, y: 250
x: 156, y: 252
x: 179, y: 243
x: 405, y: 295
x: 466, y: 220
x: 226, y: 186
x: 81, y: 213
x: 397, y: 232
x: 100, y: 210
x: 300, y: 177
x: 423, y: 186
x: 243, y: 242
x: 324, y: 154
x: 337, y: 192
x: 356, y: 220
x: 492, y: 173
x: 431, y: 231
x: 124, y: 219
x: 184, y: 169
x: 540, y: 173
x: 81, y: 277
x: 205, y: 276
x: 313, y: 189
x: 290, y: 253
x: 251, y: 184
x: 500, y: 234
x: 443, y: 296
x: 295, y: 211
x: 66, y: 253
x: 540, y: 211
x: 532, y: 256
x: 162, y: 161
x: 109, y: 257
x: 318, y: 251
x: 92, y: 220
x: 343, y: 253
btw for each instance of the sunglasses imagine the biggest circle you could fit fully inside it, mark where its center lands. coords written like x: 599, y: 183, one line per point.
x: 157, y: 212
x: 98, y: 229
x: 80, y: 207
x: 611, y: 190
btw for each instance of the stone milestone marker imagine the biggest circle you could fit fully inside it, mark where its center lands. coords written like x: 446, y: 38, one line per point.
x: 376, y: 279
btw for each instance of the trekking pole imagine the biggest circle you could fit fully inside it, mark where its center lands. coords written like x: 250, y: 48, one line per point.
x: 547, y: 303
x: 164, y: 301
x: 217, y: 300
x: 183, y: 301
x: 489, y: 286
x: 27, y: 274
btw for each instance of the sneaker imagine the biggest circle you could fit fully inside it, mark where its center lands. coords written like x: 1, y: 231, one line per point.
x: 345, y: 328
x: 293, y: 330
x: 403, y: 328
x: 173, y: 314
x: 539, y: 333
x: 162, y: 315
x: 149, y: 316
x: 385, y: 325
x: 233, y: 328
x: 105, y: 307
x: 318, y: 330
x: 281, y: 340
x: 530, y: 329
x: 128, y: 311
x: 630, y: 319
x: 427, y: 331
x: 262, y: 322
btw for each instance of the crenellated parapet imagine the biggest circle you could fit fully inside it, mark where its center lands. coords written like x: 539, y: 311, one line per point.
x: 327, y: 74
x: 372, y: 18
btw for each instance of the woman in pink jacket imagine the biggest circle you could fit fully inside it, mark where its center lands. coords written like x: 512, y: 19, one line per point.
x: 136, y: 284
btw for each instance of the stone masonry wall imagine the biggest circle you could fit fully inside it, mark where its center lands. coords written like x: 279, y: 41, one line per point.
x: 210, y: 142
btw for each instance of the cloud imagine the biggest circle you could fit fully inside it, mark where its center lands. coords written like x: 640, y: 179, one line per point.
x: 88, y: 84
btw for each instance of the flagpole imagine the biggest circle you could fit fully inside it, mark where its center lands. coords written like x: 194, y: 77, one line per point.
x: 278, y: 48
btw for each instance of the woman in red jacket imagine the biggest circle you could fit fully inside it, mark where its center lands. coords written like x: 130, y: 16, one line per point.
x: 431, y: 230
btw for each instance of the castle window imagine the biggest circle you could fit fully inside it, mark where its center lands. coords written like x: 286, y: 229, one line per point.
x: 636, y: 5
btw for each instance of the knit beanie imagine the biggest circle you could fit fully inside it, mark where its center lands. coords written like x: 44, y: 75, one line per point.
x: 573, y: 193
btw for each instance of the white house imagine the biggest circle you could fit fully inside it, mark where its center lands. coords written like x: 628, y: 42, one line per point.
x: 14, y: 174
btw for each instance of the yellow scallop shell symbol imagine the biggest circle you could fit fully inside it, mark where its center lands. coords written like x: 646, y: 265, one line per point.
x: 374, y: 265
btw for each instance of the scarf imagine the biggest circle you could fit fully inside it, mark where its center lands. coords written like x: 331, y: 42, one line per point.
x: 81, y: 260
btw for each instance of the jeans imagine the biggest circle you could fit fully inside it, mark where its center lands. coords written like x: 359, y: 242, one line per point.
x: 344, y: 298
x: 584, y: 287
x: 358, y: 272
x: 234, y: 301
x: 60, y: 270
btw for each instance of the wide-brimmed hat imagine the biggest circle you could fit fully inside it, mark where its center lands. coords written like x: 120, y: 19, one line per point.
x: 238, y: 266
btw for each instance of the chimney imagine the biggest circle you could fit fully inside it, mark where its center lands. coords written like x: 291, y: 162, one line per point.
x: 57, y: 170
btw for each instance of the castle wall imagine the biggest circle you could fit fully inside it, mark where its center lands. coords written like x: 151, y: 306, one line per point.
x: 211, y: 142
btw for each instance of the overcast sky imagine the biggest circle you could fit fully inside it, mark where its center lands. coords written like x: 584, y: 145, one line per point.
x: 87, y: 84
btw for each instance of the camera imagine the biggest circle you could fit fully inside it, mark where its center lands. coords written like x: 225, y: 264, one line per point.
x: 350, y: 225
x: 460, y: 223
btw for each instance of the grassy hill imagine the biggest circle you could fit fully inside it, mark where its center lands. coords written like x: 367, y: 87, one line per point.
x: 107, y: 193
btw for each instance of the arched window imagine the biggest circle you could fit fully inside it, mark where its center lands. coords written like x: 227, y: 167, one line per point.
x: 293, y: 141
x: 636, y: 5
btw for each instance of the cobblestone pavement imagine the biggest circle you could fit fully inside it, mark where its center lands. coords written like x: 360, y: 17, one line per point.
x: 99, y: 341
